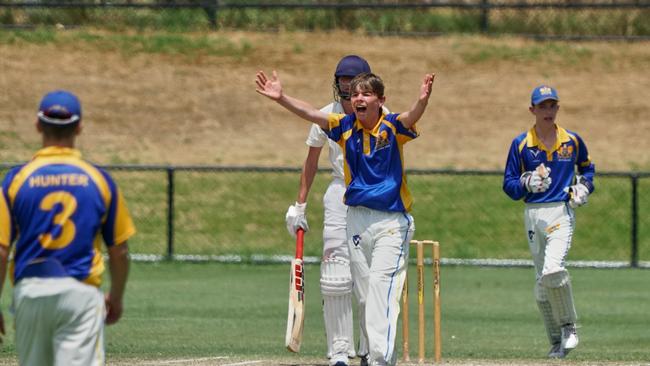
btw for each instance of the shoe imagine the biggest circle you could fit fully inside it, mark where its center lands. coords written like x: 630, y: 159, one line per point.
x: 556, y: 351
x: 339, y: 359
x: 569, y: 337
x: 364, y: 360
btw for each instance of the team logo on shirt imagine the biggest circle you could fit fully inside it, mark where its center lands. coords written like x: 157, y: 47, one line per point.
x: 382, y: 140
x: 536, y: 156
x: 534, y: 152
x: 565, y: 152
x: 356, y: 240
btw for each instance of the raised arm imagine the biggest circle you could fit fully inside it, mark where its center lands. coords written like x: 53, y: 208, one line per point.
x: 272, y: 88
x: 416, y: 111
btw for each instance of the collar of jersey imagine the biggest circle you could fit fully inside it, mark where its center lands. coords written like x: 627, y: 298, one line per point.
x: 561, y: 137
x: 375, y: 129
x: 57, y: 151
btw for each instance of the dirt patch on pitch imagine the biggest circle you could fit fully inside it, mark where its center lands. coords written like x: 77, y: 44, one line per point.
x: 201, y: 109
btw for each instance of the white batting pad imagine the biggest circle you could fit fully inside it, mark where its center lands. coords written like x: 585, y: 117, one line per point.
x: 553, y: 330
x: 560, y: 296
x: 336, y: 288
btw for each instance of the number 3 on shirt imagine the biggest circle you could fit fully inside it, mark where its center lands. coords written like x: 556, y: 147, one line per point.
x: 62, y: 219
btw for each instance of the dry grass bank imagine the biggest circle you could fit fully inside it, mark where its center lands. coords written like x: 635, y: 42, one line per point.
x: 201, y: 109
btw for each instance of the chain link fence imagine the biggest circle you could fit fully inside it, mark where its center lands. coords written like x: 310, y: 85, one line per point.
x: 237, y: 214
x: 566, y: 19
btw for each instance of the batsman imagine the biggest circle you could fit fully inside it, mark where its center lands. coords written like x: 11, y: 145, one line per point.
x: 550, y: 168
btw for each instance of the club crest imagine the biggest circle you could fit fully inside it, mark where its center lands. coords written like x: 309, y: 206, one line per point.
x: 565, y: 152
x: 382, y: 140
x: 545, y: 90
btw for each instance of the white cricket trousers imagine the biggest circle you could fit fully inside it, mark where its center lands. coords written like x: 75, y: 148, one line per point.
x: 379, y: 252
x: 549, y: 228
x: 59, y: 321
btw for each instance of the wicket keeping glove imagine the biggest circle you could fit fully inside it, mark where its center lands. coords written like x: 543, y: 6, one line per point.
x: 296, y: 218
x: 578, y: 193
x: 538, y: 180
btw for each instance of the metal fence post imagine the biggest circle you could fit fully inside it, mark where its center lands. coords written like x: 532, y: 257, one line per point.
x: 484, y: 15
x: 170, y: 213
x: 634, y: 252
x: 210, y: 8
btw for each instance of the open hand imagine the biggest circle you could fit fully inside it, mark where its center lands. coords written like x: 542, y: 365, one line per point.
x: 268, y: 87
x: 427, y: 84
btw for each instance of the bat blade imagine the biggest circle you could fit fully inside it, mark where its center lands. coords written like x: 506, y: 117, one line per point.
x: 296, y: 314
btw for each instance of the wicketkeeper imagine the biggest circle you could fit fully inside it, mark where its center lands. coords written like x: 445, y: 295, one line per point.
x: 549, y: 167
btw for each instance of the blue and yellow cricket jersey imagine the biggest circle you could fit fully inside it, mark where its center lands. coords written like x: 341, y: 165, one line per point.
x: 569, y: 154
x: 58, y: 208
x: 373, y: 161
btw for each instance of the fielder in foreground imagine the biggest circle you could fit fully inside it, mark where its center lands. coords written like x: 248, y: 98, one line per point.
x: 336, y: 278
x: 379, y: 226
x: 541, y: 169
x: 57, y: 208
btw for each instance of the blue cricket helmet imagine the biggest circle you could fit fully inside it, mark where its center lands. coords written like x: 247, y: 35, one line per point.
x: 351, y: 65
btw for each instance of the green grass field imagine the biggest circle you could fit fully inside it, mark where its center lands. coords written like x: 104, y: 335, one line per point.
x: 183, y: 310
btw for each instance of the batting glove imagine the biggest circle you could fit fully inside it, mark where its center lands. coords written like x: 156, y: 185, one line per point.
x: 578, y: 194
x: 538, y: 180
x: 296, y: 218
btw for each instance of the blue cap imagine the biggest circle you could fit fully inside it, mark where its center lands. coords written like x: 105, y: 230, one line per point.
x: 351, y: 66
x: 542, y: 93
x: 59, y: 107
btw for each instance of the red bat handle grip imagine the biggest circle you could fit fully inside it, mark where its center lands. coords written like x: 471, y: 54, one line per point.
x: 300, y: 240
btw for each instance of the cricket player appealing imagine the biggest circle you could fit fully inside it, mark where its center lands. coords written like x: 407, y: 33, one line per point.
x: 379, y: 226
x: 336, y: 278
x: 57, y: 208
x: 541, y: 169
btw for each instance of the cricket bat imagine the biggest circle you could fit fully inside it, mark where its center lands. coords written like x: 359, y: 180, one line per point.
x: 296, y: 317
